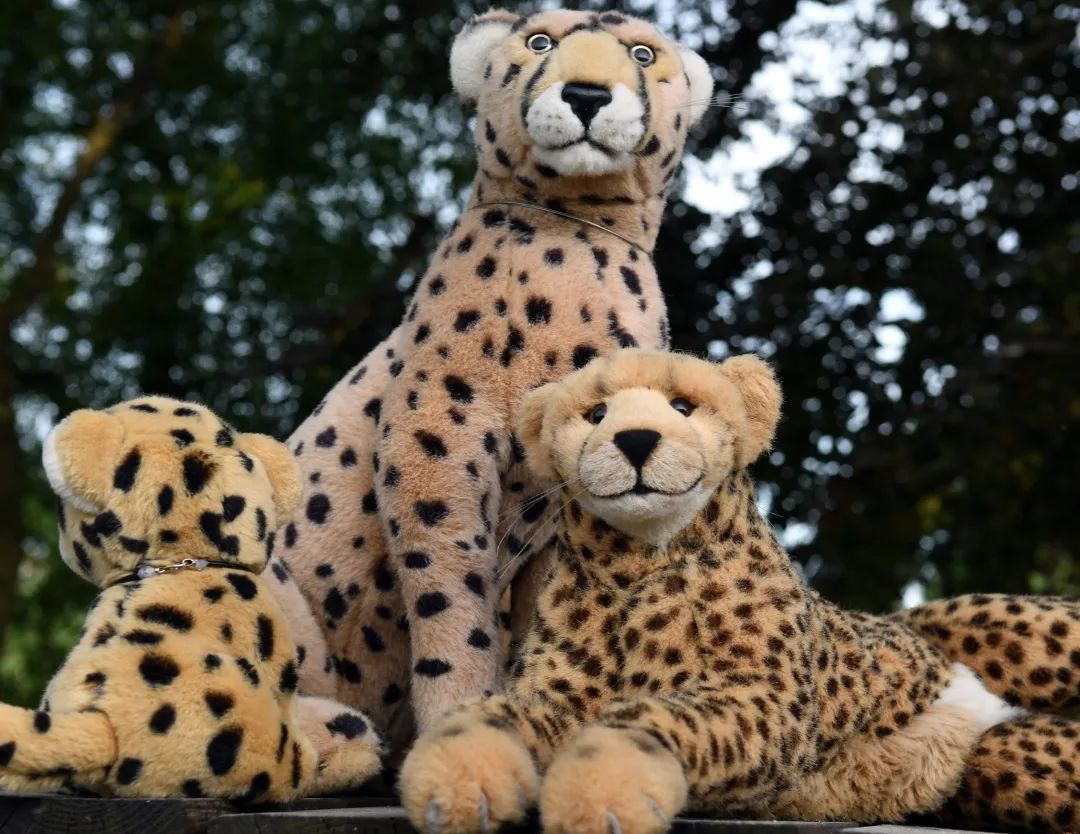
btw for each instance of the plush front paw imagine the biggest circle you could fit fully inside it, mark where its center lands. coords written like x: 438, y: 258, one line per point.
x: 347, y: 747
x: 612, y: 782
x: 469, y: 774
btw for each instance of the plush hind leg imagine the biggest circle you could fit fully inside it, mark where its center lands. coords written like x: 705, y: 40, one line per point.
x: 1025, y: 648
x: 44, y: 751
x: 347, y: 746
x: 1023, y: 775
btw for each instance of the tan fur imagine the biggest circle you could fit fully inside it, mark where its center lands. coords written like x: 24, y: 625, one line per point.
x: 182, y: 683
x: 700, y: 673
x: 424, y: 510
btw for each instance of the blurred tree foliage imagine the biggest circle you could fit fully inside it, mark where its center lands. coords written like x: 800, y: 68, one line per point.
x: 228, y: 200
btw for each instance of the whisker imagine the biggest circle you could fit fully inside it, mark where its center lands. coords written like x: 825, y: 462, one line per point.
x: 512, y: 510
x: 554, y: 517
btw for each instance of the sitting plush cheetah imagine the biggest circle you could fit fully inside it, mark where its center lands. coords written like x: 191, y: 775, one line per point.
x: 677, y: 660
x: 184, y: 680
x: 417, y: 510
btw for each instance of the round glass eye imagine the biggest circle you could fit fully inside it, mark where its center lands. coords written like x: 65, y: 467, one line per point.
x: 684, y: 407
x: 540, y: 43
x: 643, y: 54
x: 597, y: 414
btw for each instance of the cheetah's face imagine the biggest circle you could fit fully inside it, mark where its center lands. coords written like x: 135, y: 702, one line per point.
x: 643, y: 439
x: 582, y: 94
x: 154, y: 481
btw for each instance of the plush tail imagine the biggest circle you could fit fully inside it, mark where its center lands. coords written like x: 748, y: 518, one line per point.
x: 1023, y: 775
x: 43, y: 751
x: 1026, y: 649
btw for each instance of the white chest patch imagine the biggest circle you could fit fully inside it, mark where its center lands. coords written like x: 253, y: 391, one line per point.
x: 968, y: 692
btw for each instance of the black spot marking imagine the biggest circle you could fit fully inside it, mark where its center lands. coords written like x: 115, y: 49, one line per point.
x: 429, y: 667
x: 326, y: 438
x: 219, y: 703
x: 244, y: 586
x: 630, y: 278
x: 138, y: 546
x: 583, y: 355
x: 459, y: 390
x: 475, y: 583
x: 348, y: 724
x: 163, y: 719
x: 183, y: 437
x: 197, y: 472
x: 128, y: 771
x: 554, y: 257
x: 126, y: 472
x: 166, y: 615
x: 431, y: 513
x: 430, y: 604
x: 165, y: 500
x: 432, y: 445
x: 222, y: 751
x: 318, y: 508
x: 265, y: 628
x: 232, y: 506
x: 158, y: 669
x: 416, y: 560
x: 290, y: 678
x: 466, y: 320
x: 538, y: 310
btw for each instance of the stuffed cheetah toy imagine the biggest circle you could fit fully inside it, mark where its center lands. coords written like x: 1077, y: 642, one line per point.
x: 184, y: 679
x: 415, y: 492
x: 677, y: 660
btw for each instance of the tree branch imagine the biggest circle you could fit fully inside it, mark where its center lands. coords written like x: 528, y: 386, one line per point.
x: 39, y: 278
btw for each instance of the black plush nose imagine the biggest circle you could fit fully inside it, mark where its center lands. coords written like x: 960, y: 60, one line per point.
x: 585, y: 100
x: 637, y: 444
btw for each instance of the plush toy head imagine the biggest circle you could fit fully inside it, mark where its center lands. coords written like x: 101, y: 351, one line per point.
x: 642, y: 439
x: 154, y: 481
x: 578, y: 93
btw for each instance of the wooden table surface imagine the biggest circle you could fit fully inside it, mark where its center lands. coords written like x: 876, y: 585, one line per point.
x: 49, y: 814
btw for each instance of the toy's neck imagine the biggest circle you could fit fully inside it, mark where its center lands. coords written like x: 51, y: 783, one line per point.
x: 728, y: 523
x: 624, y: 205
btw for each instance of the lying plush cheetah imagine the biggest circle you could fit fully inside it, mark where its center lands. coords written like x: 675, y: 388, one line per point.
x: 183, y: 682
x: 677, y: 660
x: 417, y: 510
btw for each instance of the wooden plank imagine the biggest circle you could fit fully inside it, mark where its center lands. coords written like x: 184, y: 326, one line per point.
x: 392, y: 820
x: 54, y: 814
x: 44, y: 814
x: 907, y: 829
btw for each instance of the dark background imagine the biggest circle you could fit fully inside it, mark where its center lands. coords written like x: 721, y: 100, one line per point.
x: 228, y: 200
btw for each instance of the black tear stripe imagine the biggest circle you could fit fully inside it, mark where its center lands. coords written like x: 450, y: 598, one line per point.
x: 646, y: 103
x: 530, y: 85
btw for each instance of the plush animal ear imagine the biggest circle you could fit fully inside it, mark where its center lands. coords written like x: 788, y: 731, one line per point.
x: 280, y: 467
x: 761, y: 398
x: 530, y: 429
x: 472, y: 49
x: 701, y: 82
x: 81, y: 455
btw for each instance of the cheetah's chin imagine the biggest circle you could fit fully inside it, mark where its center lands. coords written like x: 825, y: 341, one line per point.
x: 653, y: 517
x: 582, y: 159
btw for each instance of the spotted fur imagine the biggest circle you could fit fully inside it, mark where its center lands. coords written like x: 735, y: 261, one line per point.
x: 182, y: 683
x: 695, y: 669
x: 417, y: 509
